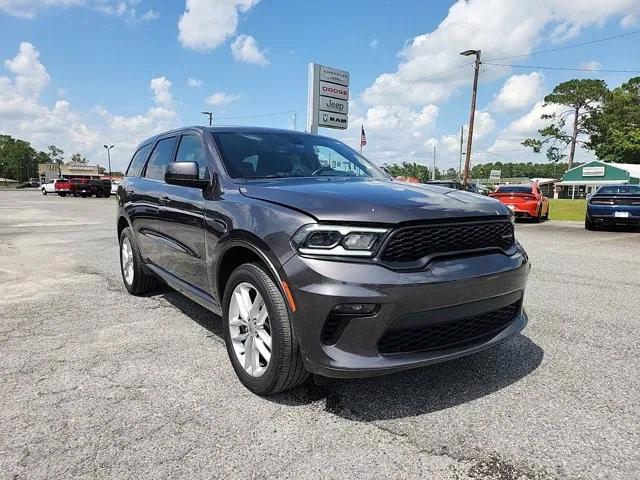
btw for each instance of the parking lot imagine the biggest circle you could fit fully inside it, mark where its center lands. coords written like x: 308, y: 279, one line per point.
x: 97, y: 383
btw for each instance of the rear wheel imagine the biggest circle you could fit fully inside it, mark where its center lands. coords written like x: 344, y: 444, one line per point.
x: 44, y: 192
x: 136, y: 280
x: 589, y: 224
x: 546, y: 215
x: 538, y: 217
x: 261, y: 343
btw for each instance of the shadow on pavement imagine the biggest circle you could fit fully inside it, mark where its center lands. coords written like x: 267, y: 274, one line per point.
x: 406, y: 394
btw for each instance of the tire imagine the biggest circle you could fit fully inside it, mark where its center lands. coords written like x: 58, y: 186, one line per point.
x: 538, y: 217
x: 285, y: 368
x: 44, y: 192
x: 62, y: 194
x: 589, y: 225
x: 546, y: 215
x: 139, y: 282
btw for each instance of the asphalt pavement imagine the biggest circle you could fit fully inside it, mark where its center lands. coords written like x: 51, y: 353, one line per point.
x: 95, y: 383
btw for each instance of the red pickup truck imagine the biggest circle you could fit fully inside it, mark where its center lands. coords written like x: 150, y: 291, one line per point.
x: 57, y: 185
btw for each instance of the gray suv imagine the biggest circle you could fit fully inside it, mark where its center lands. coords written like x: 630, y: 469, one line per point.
x: 316, y: 260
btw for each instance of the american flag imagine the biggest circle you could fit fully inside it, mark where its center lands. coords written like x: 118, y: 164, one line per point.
x: 363, y: 137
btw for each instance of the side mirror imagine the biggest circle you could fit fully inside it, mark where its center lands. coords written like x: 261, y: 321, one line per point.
x: 186, y: 174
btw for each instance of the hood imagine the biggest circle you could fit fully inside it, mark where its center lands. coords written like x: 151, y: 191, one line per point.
x: 374, y: 201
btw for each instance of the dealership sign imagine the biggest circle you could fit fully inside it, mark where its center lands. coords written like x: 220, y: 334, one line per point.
x: 593, y: 171
x: 328, y: 98
x: 495, y: 174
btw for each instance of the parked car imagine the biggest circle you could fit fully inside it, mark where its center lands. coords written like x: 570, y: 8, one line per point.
x: 525, y: 201
x: 57, y: 185
x: 341, y: 272
x: 114, y: 187
x: 455, y: 184
x: 31, y: 183
x: 100, y: 188
x: 80, y: 187
x: 613, y: 205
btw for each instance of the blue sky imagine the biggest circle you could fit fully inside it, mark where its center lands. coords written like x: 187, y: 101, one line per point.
x: 81, y: 73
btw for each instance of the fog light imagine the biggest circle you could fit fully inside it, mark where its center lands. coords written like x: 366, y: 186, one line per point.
x: 355, y: 308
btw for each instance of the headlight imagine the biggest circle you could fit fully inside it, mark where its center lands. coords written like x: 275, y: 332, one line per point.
x: 337, y: 240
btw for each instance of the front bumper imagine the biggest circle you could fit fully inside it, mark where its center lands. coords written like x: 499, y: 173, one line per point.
x: 448, y: 290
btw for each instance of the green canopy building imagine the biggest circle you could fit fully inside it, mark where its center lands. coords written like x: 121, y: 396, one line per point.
x: 585, y: 179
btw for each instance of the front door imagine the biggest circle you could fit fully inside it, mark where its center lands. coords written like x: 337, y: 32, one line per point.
x: 182, y: 220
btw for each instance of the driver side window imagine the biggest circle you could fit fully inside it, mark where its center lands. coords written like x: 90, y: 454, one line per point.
x: 191, y: 149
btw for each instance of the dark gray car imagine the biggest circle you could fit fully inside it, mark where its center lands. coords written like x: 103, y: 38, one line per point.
x: 317, y: 260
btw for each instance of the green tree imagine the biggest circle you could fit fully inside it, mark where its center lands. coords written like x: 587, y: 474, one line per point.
x: 77, y: 158
x: 615, y: 129
x: 407, y: 169
x: 56, y: 154
x: 17, y: 159
x: 583, y: 98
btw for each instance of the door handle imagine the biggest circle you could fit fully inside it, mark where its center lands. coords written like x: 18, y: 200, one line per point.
x: 164, y: 199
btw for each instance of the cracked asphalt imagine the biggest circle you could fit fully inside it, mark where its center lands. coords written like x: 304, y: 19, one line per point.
x: 95, y: 383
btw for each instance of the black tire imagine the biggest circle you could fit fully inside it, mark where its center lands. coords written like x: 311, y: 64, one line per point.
x: 286, y: 369
x: 62, y: 194
x: 44, y: 192
x: 142, y: 283
x: 546, y: 215
x: 588, y: 224
x: 538, y: 217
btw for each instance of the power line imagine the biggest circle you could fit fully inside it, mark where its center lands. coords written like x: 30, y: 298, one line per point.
x: 566, y: 47
x: 541, y: 67
x: 260, y: 115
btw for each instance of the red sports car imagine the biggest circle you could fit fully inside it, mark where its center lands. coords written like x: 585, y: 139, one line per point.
x: 525, y: 200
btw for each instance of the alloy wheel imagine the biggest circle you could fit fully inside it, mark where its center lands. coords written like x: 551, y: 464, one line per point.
x: 249, y: 329
x: 126, y: 260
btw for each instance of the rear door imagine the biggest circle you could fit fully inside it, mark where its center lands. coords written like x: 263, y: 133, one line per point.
x: 147, y: 191
x: 182, y: 219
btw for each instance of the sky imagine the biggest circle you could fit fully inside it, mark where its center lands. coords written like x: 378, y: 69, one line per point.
x: 83, y: 73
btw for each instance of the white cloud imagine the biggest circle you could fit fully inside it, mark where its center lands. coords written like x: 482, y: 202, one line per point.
x: 194, y: 82
x: 117, y: 8
x: 373, y: 44
x: 162, y: 91
x: 482, y: 126
x: 245, y: 49
x: 205, y: 24
x: 221, y: 98
x: 499, y: 28
x: 591, y: 65
x: 30, y: 75
x: 24, y: 116
x: 519, y: 92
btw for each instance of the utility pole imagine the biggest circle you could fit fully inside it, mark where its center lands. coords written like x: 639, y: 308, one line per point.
x: 109, y: 158
x: 476, y: 68
x: 434, y: 162
x: 210, y: 116
x: 461, y: 152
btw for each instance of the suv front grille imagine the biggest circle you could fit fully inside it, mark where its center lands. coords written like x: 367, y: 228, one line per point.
x: 454, y: 333
x: 411, y: 244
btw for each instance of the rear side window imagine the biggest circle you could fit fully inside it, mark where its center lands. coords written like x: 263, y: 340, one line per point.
x: 160, y: 158
x: 137, y: 162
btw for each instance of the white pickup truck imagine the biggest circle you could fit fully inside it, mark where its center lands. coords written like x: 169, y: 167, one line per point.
x: 57, y: 185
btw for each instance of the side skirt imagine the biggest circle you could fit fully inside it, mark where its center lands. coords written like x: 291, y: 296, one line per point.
x: 193, y: 293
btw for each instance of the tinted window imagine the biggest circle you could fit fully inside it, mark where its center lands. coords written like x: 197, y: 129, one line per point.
x: 137, y: 162
x: 515, y: 189
x: 264, y: 155
x: 159, y: 159
x: 612, y: 190
x: 192, y: 150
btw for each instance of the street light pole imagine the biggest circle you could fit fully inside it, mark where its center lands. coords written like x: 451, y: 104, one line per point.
x: 109, y: 158
x: 210, y: 116
x: 476, y: 68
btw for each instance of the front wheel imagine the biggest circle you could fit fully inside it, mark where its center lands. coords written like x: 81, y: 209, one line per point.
x: 261, y: 343
x: 588, y: 224
x: 44, y: 192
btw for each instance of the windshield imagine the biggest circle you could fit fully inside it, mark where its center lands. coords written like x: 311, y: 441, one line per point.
x: 287, y: 155
x: 613, y: 189
x: 514, y: 189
